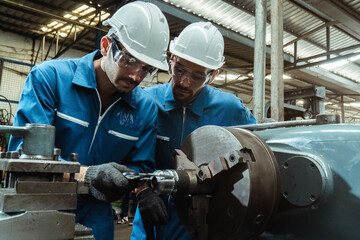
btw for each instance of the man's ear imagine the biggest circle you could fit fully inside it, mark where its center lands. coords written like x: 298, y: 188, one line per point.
x: 172, y: 58
x: 105, y: 44
x: 213, y: 76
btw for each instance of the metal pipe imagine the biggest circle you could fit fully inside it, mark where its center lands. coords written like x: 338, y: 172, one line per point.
x: 342, y: 110
x: 320, y: 119
x: 259, y: 60
x: 277, y: 61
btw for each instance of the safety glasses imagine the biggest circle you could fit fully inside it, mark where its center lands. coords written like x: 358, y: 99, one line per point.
x: 196, y: 76
x: 125, y: 60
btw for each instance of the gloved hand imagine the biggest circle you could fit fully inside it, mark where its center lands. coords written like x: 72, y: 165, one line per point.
x: 107, y: 182
x: 152, y: 208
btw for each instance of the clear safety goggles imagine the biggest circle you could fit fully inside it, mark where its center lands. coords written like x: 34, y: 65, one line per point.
x: 196, y: 76
x: 125, y: 60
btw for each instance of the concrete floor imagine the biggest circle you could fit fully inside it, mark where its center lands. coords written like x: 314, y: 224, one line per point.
x: 122, y: 231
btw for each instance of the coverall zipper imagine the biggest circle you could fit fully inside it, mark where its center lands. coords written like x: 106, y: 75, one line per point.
x: 183, y: 124
x: 100, y: 117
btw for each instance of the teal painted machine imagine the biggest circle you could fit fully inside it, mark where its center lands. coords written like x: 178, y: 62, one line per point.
x: 320, y: 182
x: 276, y: 181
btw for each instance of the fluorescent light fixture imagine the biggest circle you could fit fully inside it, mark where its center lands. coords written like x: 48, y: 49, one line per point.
x: 58, y: 25
x: 230, y: 77
x: 53, y: 23
x: 67, y: 27
x: 80, y: 9
x: 268, y: 77
x: 89, y: 10
x: 354, y: 104
x: 104, y: 15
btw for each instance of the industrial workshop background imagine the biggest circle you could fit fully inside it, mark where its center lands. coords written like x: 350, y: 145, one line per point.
x: 321, y: 45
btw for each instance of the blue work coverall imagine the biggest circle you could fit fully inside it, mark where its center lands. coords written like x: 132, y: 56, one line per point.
x: 211, y: 107
x: 63, y: 93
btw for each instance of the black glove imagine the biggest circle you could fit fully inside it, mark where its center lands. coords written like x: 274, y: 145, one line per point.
x: 107, y: 182
x: 152, y: 208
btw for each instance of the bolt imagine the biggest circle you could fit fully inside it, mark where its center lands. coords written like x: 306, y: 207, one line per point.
x: 74, y: 157
x: 312, y: 198
x: 56, y: 153
x: 312, y: 166
x: 14, y: 155
x: 232, y: 158
x: 259, y: 219
x: 285, y: 165
x: 286, y: 193
x: 201, y: 174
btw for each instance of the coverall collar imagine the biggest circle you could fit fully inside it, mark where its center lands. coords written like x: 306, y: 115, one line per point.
x: 85, y: 77
x: 197, y: 106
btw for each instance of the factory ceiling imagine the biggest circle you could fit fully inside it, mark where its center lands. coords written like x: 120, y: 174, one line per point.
x: 321, y: 39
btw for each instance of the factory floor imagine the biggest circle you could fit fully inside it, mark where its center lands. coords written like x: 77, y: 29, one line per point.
x: 122, y: 231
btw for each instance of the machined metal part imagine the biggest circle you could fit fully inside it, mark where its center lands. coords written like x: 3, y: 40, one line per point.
x: 83, y: 233
x: 11, y: 201
x: 38, y: 140
x: 238, y: 204
x: 305, y: 180
x: 164, y: 185
x: 320, y: 119
x: 40, y: 225
x: 38, y: 166
x: 35, y: 194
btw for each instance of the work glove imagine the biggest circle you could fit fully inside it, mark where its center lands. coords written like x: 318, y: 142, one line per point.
x: 152, y: 208
x: 107, y: 183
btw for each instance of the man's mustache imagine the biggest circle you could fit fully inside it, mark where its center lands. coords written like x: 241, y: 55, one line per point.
x: 131, y: 81
x: 182, y: 88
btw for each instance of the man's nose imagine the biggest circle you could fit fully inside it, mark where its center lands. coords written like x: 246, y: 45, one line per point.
x: 185, y: 80
x: 138, y: 76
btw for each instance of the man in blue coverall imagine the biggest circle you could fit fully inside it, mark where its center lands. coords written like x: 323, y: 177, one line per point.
x: 99, y: 110
x: 185, y: 104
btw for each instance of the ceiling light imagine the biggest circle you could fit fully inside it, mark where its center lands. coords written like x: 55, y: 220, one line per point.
x: 52, y: 24
x: 268, y: 77
x: 80, y: 9
x: 354, y: 104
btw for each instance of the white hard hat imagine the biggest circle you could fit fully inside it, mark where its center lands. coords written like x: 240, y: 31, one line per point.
x: 200, y: 43
x: 143, y: 30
